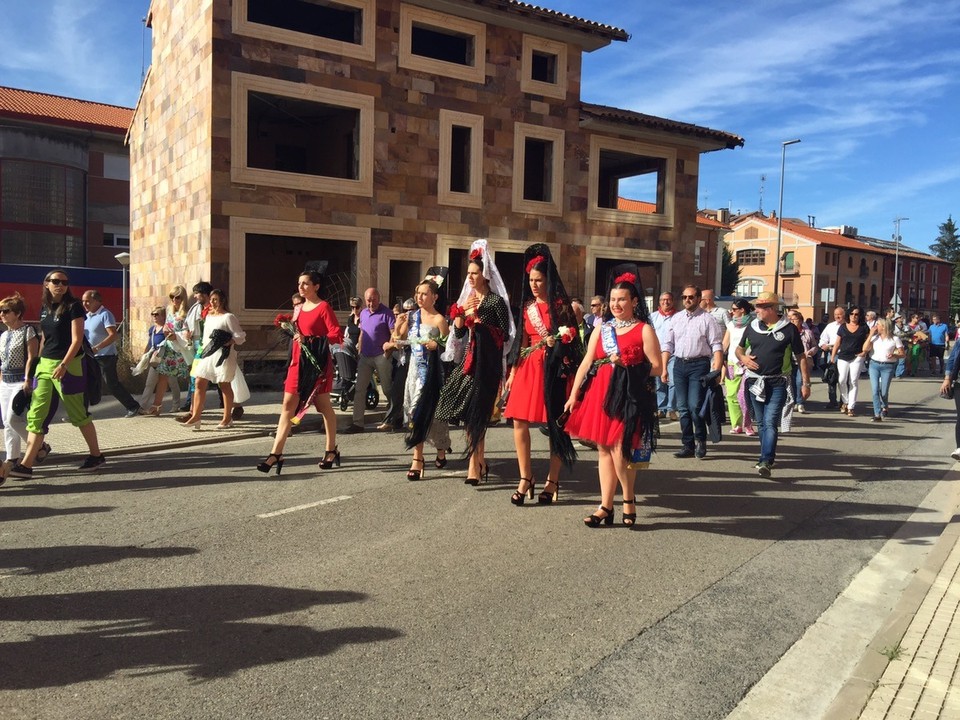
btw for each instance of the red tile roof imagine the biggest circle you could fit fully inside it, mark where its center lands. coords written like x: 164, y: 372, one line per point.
x: 604, y: 113
x: 707, y: 221
x: 58, y: 110
x: 636, y: 205
x: 833, y: 238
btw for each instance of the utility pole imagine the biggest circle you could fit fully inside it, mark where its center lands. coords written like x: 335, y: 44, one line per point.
x: 783, y: 161
x: 896, y: 300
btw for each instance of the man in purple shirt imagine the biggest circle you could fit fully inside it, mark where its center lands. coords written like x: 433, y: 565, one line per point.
x: 376, y: 325
x: 694, y: 339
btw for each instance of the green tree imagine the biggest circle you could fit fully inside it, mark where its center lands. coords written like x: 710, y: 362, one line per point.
x: 947, y: 247
x: 729, y: 272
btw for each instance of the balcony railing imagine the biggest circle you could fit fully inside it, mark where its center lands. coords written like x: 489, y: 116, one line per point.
x: 789, y: 269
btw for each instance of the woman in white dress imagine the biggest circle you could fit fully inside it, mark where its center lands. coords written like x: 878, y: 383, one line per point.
x: 217, y: 361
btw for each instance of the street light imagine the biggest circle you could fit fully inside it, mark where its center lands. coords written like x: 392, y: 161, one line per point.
x: 783, y: 161
x: 124, y: 260
x: 896, y: 300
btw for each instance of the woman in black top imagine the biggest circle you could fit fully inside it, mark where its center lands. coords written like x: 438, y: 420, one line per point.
x: 60, y: 370
x: 848, y: 354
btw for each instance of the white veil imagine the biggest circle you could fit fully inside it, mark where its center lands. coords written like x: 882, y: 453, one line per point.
x: 492, y: 276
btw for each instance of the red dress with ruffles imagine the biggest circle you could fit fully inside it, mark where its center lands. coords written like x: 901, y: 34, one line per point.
x: 318, y: 322
x: 588, y: 421
x: 526, y: 391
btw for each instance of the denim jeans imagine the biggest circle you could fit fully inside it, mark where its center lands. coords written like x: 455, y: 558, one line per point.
x: 689, y: 394
x: 766, y: 415
x: 666, y: 399
x: 881, y: 373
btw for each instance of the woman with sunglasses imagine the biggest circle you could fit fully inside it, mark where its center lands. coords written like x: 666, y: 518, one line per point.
x: 169, y: 364
x: 18, y: 349
x: 59, y: 371
x: 848, y: 353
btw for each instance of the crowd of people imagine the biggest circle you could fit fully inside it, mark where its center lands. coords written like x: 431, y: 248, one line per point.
x: 605, y: 376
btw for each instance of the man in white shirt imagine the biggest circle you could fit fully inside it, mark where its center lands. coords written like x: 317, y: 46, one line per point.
x: 827, y: 339
x: 660, y: 319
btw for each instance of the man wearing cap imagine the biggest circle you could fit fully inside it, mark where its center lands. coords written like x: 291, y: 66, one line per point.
x: 767, y: 349
x: 666, y: 399
x: 827, y: 338
x: 694, y: 339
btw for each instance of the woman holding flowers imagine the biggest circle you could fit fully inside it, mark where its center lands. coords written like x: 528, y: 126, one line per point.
x: 425, y: 331
x: 314, y: 328
x: 538, y: 384
x: 482, y: 333
x: 617, y: 411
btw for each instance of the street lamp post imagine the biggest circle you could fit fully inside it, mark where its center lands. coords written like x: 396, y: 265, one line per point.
x: 896, y: 299
x: 783, y: 162
x: 124, y: 260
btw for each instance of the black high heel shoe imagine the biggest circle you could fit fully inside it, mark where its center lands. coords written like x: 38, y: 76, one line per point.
x: 629, y: 519
x: 547, y: 497
x: 518, y: 497
x: 484, y: 472
x: 595, y: 520
x: 416, y: 474
x: 441, y: 462
x: 329, y: 458
x: 266, y: 466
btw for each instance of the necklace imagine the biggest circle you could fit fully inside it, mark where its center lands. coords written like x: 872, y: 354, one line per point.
x: 624, y: 323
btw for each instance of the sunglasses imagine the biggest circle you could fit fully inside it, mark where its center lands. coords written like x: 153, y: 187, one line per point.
x: 4, y: 311
x: 595, y: 305
x: 157, y: 314
x: 688, y: 297
x: 58, y: 281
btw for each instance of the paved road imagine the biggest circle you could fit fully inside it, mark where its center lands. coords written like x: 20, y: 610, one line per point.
x: 170, y: 586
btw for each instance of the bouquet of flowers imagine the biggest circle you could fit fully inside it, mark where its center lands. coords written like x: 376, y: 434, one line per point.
x: 629, y: 357
x: 284, y: 323
x: 565, y: 334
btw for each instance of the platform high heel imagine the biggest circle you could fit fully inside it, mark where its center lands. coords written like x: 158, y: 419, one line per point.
x: 547, y: 497
x: 441, y: 462
x: 329, y: 458
x: 518, y: 497
x: 595, y: 520
x: 629, y: 519
x: 417, y: 474
x: 266, y: 466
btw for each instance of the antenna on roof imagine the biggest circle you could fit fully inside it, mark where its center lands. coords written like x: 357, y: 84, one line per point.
x: 143, y: 45
x: 763, y: 180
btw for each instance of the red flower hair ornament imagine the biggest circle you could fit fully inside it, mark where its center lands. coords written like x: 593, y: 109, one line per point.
x: 626, y: 277
x: 476, y: 254
x: 534, y: 261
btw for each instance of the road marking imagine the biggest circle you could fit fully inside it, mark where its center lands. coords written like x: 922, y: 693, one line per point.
x: 295, y: 508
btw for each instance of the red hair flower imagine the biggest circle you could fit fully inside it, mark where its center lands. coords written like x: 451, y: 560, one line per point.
x: 626, y: 277
x: 476, y: 254
x: 534, y: 261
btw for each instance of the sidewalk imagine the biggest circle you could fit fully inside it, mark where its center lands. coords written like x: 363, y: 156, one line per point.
x: 910, y: 670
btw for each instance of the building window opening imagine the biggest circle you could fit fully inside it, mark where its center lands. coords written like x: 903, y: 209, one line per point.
x: 280, y: 257
x: 300, y: 136
x: 438, y: 44
x: 543, y: 67
x: 314, y: 17
x: 537, y: 169
x: 751, y: 257
x: 460, y: 139
x: 637, y: 177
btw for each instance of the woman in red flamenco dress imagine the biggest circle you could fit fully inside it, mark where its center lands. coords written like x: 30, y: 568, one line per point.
x: 541, y: 370
x: 316, y: 328
x: 618, y: 409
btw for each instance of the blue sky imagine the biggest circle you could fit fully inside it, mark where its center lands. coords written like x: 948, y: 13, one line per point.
x: 871, y: 87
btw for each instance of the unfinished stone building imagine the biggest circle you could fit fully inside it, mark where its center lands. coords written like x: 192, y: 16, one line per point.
x: 385, y: 136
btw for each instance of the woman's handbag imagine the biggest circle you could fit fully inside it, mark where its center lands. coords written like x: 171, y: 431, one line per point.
x: 155, y: 358
x: 142, y: 365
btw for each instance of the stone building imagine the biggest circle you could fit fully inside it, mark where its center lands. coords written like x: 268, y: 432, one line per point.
x: 384, y: 137
x: 854, y: 269
x: 64, y: 193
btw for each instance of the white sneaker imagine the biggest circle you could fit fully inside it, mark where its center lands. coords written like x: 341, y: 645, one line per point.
x: 956, y: 454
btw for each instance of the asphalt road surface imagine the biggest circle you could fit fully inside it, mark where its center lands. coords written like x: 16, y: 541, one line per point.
x: 182, y: 583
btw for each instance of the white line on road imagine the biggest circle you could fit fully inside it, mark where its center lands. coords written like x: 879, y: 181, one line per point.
x: 304, y: 507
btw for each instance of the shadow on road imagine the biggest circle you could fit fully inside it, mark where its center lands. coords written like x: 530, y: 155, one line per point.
x: 36, y: 561
x: 12, y: 514
x: 200, y: 631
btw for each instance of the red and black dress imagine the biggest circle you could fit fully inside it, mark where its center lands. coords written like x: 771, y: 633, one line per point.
x: 320, y: 330
x: 619, y: 400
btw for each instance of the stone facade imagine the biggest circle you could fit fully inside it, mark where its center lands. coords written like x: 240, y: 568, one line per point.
x: 199, y: 212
